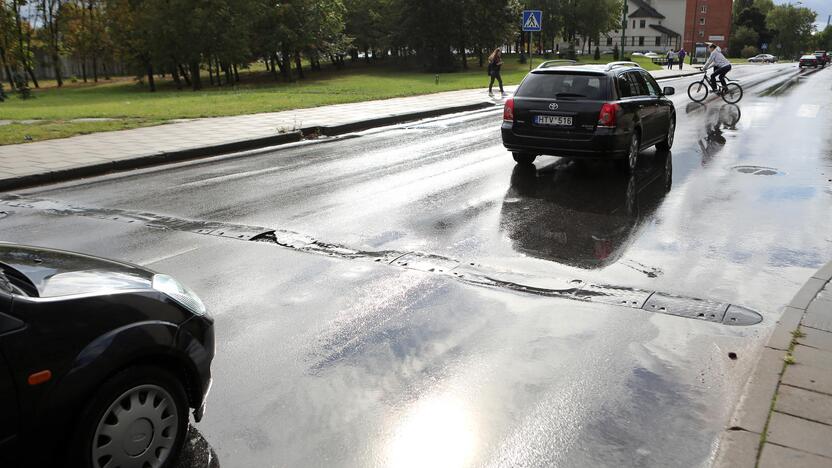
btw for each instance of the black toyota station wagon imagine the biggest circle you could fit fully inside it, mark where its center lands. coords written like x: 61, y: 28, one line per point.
x: 588, y: 111
x: 100, y: 361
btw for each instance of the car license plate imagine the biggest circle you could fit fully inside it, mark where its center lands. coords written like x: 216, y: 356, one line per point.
x: 553, y: 120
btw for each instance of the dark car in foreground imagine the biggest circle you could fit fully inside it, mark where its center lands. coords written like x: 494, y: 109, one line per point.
x: 809, y: 60
x: 611, y: 111
x: 100, y: 361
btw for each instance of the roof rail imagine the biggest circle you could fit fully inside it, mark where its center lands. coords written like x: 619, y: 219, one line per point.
x: 555, y: 63
x: 612, y: 65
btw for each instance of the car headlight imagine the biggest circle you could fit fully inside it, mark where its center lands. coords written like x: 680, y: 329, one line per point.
x: 179, y: 293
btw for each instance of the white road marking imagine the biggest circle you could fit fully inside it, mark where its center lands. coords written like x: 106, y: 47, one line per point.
x: 808, y: 110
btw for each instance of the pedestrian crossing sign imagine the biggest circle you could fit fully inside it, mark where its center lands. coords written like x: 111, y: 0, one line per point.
x: 532, y: 20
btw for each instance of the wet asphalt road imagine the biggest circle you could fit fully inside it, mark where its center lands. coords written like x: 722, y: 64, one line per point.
x: 327, y: 357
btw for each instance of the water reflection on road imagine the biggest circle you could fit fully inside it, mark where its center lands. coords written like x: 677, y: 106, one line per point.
x: 582, y: 213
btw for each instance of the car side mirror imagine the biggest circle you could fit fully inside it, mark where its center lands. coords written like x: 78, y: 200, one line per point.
x: 668, y: 90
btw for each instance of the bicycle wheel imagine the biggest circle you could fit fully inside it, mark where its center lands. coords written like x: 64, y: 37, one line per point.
x: 732, y: 94
x: 698, y: 91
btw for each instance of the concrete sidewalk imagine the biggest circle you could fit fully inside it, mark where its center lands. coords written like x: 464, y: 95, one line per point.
x: 784, y: 418
x: 88, y: 155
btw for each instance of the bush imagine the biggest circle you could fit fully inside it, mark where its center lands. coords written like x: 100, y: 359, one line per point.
x: 597, y: 55
x: 749, y: 51
x: 615, y: 52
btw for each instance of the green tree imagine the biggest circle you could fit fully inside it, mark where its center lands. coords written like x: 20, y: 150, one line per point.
x: 742, y: 37
x: 793, y: 26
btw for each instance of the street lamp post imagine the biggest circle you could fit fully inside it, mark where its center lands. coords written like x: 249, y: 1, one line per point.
x: 623, y: 29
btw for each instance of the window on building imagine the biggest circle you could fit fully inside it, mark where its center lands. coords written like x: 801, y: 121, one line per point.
x: 704, y: 9
x: 658, y: 40
x: 633, y: 40
x: 634, y: 24
x: 642, y: 24
x: 701, y: 21
x: 641, y: 40
x: 701, y: 33
x: 609, y: 41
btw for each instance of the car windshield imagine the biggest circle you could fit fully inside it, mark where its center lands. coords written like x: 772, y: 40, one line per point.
x: 562, y: 85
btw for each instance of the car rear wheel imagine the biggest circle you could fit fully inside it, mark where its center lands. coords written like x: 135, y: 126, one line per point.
x: 138, y: 418
x: 524, y: 158
x: 667, y: 143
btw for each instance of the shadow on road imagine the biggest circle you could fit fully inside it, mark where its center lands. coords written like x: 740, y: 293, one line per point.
x: 582, y: 213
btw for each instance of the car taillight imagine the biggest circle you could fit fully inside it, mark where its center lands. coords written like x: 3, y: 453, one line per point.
x: 606, y: 118
x: 508, y: 110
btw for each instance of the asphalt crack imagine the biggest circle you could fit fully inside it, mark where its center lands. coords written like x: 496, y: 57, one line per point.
x: 467, y: 272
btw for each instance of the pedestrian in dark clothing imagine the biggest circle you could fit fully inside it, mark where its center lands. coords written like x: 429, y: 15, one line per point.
x: 495, y: 61
x: 682, y: 55
x: 670, y: 57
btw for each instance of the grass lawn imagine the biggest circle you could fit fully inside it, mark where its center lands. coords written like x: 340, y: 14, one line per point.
x: 131, y: 105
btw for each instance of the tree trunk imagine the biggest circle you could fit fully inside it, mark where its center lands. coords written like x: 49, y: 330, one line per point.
x: 285, y: 65
x: 271, y: 61
x: 236, y: 74
x: 298, y: 66
x: 184, y: 75
x: 174, y: 73
x: 196, y: 80
x: 95, y: 67
x: 6, y: 68
x: 219, y: 74
x: 228, y: 78
x: 151, y: 82
x: 32, y: 75
x: 464, y: 57
x: 367, y: 55
x: 84, y: 69
x: 210, y: 72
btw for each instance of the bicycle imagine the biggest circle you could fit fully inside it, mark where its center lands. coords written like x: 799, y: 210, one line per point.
x: 731, y: 93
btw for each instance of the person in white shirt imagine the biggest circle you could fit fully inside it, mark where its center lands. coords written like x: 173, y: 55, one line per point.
x: 721, y: 66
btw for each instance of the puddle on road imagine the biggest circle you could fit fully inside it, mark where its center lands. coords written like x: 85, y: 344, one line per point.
x: 470, y: 273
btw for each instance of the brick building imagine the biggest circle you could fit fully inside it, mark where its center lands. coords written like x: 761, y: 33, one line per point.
x: 707, y: 21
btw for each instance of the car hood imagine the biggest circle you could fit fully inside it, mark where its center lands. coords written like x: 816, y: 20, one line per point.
x: 55, y: 273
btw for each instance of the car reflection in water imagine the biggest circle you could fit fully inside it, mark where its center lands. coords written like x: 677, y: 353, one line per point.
x: 582, y: 214
x: 717, y: 119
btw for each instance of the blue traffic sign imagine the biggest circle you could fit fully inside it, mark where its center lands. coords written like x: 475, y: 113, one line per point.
x: 532, y: 20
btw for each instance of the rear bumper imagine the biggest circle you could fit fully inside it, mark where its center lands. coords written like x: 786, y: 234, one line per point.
x: 605, y: 143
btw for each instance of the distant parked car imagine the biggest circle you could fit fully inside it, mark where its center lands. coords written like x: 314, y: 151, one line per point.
x: 100, y: 361
x: 808, y: 61
x: 823, y: 57
x: 639, y: 54
x: 763, y: 58
x: 611, y: 111
x: 651, y: 55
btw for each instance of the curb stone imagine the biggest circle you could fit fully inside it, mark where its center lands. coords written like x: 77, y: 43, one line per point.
x: 784, y: 416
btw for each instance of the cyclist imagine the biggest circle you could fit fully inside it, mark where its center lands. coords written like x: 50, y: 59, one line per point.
x: 721, y: 67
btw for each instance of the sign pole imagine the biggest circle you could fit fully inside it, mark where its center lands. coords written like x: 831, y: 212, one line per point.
x: 531, y: 34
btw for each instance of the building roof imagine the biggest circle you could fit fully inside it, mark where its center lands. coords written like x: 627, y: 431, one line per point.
x: 645, y: 10
x: 665, y: 30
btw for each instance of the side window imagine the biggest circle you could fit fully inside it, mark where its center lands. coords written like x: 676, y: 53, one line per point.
x: 625, y: 86
x: 638, y: 84
x: 652, y: 86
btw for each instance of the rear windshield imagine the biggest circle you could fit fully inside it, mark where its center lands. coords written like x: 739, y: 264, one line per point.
x: 563, y: 86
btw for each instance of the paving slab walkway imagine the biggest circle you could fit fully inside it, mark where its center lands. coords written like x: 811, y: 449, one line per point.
x: 87, y: 155
x: 784, y: 418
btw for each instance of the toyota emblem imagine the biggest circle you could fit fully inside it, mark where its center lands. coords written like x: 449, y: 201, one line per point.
x: 553, y: 106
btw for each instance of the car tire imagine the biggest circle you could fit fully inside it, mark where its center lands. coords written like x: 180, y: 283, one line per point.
x: 147, y: 406
x: 524, y: 158
x: 667, y: 143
